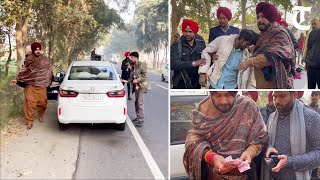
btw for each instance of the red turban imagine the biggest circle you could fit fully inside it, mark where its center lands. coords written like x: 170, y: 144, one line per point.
x: 270, y: 97
x: 300, y: 94
x: 284, y: 23
x: 269, y: 11
x: 126, y: 54
x: 193, y: 25
x: 225, y: 11
x: 35, y: 45
x: 254, y: 95
x: 279, y: 18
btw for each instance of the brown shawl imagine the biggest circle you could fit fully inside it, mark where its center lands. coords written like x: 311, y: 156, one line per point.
x: 229, y: 134
x: 37, y: 72
x: 277, y: 46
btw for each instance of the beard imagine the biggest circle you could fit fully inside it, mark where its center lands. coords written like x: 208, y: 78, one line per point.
x: 263, y: 27
x: 314, y: 104
x: 189, y: 38
x: 285, y: 108
x: 222, y: 108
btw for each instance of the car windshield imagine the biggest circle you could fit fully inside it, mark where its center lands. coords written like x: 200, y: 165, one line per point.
x: 92, y: 73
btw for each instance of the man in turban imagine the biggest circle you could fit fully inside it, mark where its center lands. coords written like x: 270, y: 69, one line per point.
x: 224, y: 15
x: 126, y: 72
x: 36, y: 77
x: 223, y: 125
x: 273, y: 54
x: 185, y: 57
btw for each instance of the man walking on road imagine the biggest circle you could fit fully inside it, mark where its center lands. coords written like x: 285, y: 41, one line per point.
x: 126, y: 72
x: 141, y: 86
x: 294, y: 131
x: 224, y: 15
x: 223, y: 125
x: 185, y: 57
x: 37, y: 76
x: 273, y: 53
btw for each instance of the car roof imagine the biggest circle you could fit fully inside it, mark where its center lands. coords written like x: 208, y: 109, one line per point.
x: 91, y: 63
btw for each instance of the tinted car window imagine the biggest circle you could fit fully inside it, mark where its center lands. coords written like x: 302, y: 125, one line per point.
x: 181, y: 116
x: 92, y: 73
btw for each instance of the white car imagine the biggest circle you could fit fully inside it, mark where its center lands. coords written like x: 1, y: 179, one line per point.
x: 165, y: 72
x: 92, y: 92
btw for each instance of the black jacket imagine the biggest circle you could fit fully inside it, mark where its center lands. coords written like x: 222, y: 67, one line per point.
x: 125, y: 71
x: 189, y: 54
x: 293, y: 39
x: 313, y: 49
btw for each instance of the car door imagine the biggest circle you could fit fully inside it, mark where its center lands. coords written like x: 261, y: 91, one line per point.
x: 180, y: 123
x: 53, y: 90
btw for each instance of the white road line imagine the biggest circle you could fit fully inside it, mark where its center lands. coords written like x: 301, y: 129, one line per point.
x: 145, y: 152
x: 162, y: 87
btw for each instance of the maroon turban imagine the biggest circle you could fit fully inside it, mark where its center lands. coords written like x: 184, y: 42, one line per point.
x: 225, y: 11
x: 35, y: 45
x: 300, y: 94
x: 269, y: 11
x: 193, y: 25
x: 127, y: 54
x: 270, y: 97
x: 254, y: 95
x: 284, y: 23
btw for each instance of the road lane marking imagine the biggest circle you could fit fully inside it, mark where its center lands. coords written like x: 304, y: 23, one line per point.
x: 145, y: 152
x: 162, y: 87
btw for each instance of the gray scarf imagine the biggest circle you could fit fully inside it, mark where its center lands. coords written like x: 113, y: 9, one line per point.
x: 298, y: 137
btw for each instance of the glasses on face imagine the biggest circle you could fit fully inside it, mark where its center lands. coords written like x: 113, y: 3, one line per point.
x: 314, y: 94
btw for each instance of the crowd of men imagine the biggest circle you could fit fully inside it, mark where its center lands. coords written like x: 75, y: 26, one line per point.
x: 235, y: 59
x: 280, y: 141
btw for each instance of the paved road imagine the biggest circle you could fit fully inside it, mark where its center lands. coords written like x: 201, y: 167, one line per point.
x: 94, y: 151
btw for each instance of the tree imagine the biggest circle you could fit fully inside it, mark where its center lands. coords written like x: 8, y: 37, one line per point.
x: 152, y: 27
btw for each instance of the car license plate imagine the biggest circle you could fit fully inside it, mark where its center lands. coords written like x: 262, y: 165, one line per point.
x: 91, y: 98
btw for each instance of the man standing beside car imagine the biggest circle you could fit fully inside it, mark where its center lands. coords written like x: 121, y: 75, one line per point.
x: 140, y: 86
x: 126, y: 72
x: 36, y: 77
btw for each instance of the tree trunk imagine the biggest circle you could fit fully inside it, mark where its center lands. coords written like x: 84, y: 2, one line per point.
x: 154, y: 64
x: 21, y: 31
x: 10, y: 54
x: 243, y: 12
x: 175, y: 18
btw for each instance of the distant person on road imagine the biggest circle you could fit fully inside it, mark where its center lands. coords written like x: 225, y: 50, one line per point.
x: 224, y: 15
x: 185, y: 57
x: 231, y: 50
x: 126, y: 72
x: 93, y: 54
x: 223, y: 125
x: 273, y: 52
x: 300, y: 48
x: 141, y: 86
x: 294, y: 131
x: 313, y: 59
x: 37, y: 76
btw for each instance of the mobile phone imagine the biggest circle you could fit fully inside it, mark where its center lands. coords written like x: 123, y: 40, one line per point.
x: 275, y: 158
x: 270, y: 163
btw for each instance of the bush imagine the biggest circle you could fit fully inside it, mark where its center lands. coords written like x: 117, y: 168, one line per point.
x: 11, y: 100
